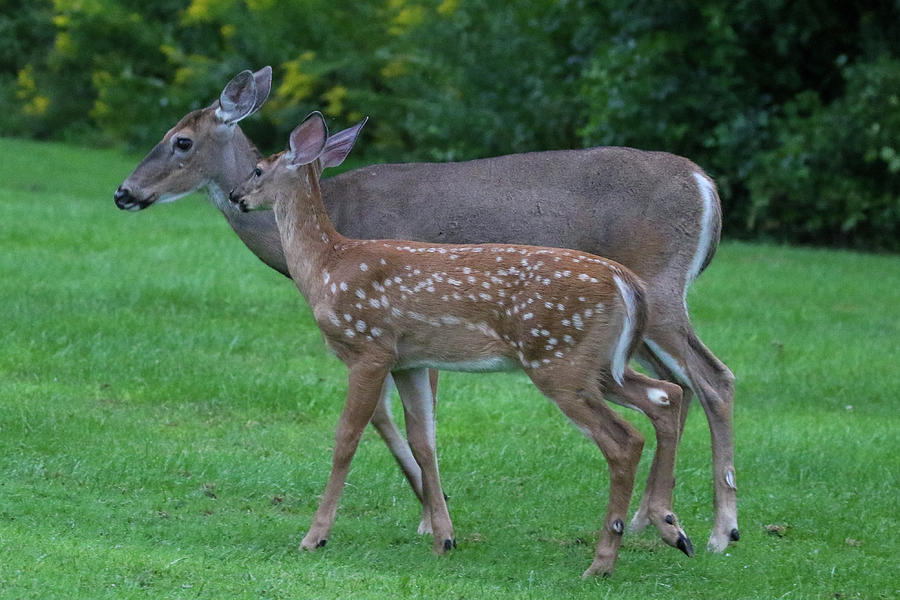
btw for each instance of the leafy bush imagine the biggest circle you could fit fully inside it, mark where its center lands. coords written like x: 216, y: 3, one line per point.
x: 791, y: 107
x: 834, y: 175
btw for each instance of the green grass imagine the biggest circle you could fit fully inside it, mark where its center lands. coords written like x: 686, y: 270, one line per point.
x: 167, y: 411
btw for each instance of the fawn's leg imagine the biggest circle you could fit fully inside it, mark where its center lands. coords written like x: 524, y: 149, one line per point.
x: 621, y: 445
x: 660, y: 401
x: 641, y: 517
x: 366, y: 382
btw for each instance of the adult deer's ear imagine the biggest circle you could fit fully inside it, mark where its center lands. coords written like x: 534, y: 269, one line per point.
x: 307, y: 140
x: 263, y: 81
x: 339, y: 145
x: 238, y: 99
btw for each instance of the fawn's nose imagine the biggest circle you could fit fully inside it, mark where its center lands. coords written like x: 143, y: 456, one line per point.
x: 236, y: 199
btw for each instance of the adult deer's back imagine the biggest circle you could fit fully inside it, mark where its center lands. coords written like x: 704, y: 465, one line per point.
x: 640, y: 208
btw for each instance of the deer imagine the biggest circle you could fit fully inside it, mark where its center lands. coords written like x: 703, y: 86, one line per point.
x: 569, y: 320
x: 657, y: 213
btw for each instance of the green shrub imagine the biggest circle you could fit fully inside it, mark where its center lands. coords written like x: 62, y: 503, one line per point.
x: 834, y: 175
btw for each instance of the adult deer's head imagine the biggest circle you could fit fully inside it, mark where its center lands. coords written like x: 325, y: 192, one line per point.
x: 206, y: 148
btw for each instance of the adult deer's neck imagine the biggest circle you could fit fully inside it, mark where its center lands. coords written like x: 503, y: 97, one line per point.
x: 307, y: 234
x: 239, y: 157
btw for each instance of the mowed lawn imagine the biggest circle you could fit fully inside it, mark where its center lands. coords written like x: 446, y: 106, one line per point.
x: 167, y: 411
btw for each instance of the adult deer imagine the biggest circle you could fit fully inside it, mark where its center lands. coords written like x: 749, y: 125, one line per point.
x: 654, y: 212
x: 569, y: 320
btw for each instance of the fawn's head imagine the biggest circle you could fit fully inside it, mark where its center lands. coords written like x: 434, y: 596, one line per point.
x: 284, y: 173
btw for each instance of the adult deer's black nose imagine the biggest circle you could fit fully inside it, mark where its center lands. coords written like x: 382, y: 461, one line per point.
x: 124, y: 199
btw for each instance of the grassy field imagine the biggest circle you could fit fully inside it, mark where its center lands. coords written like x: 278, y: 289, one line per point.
x: 167, y: 412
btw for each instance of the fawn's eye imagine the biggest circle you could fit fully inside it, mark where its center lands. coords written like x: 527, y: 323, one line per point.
x: 184, y: 144
x: 257, y: 171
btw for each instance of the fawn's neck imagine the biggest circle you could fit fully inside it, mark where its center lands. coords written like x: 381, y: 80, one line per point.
x: 307, y: 234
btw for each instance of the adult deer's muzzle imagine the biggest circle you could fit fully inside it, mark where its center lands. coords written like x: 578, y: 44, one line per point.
x: 125, y: 200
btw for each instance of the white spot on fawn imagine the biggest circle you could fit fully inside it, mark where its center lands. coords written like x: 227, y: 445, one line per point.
x: 360, y: 326
x: 363, y: 267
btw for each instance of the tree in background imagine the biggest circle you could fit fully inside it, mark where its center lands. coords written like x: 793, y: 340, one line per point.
x: 792, y: 106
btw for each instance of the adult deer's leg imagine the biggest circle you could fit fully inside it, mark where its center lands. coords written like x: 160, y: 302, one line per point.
x: 418, y: 406
x: 366, y: 382
x: 620, y: 444
x: 660, y: 401
x: 676, y: 346
x: 384, y: 424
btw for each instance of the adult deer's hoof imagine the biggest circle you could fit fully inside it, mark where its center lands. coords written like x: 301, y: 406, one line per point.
x: 311, y: 543
x: 735, y: 535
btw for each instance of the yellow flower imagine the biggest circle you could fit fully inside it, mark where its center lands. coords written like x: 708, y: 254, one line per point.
x: 295, y: 84
x: 335, y: 99
x: 395, y: 68
x: 448, y: 7
x: 37, y: 107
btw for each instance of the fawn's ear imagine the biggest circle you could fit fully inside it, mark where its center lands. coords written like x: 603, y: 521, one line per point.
x: 238, y: 99
x: 339, y: 145
x: 307, y: 140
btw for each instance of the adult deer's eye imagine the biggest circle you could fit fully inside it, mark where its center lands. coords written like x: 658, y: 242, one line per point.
x: 257, y: 171
x: 184, y: 144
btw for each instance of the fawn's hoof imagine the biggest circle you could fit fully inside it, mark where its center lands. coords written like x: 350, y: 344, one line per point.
x: 598, y: 569
x: 449, y: 544
x: 684, y: 544
x: 735, y: 535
